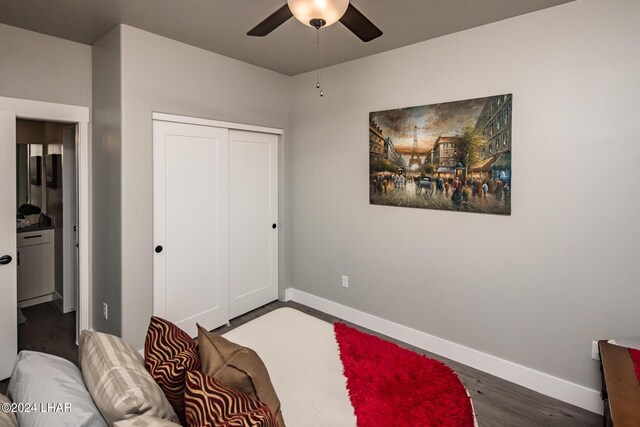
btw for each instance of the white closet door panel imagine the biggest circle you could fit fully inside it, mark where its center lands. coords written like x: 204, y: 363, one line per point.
x: 253, y: 209
x: 191, y: 224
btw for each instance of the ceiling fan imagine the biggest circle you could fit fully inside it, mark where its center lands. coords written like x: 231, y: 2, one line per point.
x: 318, y: 14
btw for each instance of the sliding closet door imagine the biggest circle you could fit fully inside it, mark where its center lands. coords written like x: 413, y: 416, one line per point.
x: 190, y: 222
x: 253, y: 220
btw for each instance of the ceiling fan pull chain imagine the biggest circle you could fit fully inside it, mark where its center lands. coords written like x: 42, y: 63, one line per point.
x: 320, y: 60
x: 319, y: 66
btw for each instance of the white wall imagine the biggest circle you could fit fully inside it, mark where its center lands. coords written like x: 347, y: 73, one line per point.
x: 163, y: 75
x: 44, y: 68
x: 534, y: 288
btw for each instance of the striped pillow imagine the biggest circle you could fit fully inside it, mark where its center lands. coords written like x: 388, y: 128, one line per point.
x: 115, y: 376
x: 209, y: 403
x: 169, y: 352
x: 7, y: 418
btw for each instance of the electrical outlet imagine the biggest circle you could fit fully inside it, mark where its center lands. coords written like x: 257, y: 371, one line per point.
x: 595, y: 353
x: 105, y: 310
x: 345, y: 281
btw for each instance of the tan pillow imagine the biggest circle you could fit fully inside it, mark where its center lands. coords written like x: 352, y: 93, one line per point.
x: 237, y: 367
x: 7, y: 419
x: 115, y: 375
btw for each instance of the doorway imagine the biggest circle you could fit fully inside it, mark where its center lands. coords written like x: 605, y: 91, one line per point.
x: 46, y: 225
x: 10, y: 110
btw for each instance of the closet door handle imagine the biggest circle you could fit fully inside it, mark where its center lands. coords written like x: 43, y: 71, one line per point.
x: 274, y: 226
x: 5, y: 259
x: 158, y: 249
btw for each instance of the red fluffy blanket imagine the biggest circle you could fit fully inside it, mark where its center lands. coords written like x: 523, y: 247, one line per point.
x: 635, y: 357
x: 392, y: 386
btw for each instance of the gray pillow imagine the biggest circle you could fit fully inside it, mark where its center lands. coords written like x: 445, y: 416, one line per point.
x: 7, y: 418
x: 46, y: 380
x: 145, y: 421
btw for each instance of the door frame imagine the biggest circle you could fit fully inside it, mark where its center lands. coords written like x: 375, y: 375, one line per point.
x: 164, y: 117
x: 47, y: 111
x: 70, y: 219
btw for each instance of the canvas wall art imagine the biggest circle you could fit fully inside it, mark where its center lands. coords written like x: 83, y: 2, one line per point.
x: 450, y: 156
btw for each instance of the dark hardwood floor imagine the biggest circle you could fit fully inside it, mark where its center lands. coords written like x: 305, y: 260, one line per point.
x: 497, y: 403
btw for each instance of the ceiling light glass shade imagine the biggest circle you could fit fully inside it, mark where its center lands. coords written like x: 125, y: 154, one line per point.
x: 328, y: 10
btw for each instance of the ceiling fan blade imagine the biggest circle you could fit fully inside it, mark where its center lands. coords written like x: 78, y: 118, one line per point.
x: 359, y: 25
x: 274, y: 20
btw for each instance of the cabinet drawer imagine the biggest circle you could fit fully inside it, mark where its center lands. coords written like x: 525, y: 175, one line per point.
x: 34, y: 238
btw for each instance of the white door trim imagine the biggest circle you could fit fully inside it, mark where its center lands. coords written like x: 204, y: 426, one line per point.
x: 70, y: 219
x: 8, y: 246
x: 39, y: 110
x: 214, y: 123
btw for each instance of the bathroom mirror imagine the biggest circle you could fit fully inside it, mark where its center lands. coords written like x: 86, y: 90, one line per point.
x: 29, y: 174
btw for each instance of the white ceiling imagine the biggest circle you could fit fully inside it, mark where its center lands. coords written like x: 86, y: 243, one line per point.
x: 220, y: 25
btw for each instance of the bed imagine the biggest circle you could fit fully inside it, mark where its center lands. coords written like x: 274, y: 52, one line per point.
x: 300, y: 352
x: 289, y: 342
x: 303, y: 359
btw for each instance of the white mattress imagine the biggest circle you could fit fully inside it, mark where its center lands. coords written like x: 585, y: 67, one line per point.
x: 303, y: 359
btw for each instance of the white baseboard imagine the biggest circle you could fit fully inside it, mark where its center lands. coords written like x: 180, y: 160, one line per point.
x: 35, y: 301
x: 549, y: 385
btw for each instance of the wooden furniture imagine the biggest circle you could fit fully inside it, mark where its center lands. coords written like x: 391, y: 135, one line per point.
x: 36, y: 267
x: 620, y: 388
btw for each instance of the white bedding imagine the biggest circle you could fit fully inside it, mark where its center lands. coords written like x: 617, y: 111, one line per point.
x: 303, y: 359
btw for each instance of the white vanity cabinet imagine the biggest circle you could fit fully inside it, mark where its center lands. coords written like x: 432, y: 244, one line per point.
x: 36, y: 264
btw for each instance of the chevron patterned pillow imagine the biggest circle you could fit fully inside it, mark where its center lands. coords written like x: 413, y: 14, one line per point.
x: 210, y: 403
x: 169, y: 354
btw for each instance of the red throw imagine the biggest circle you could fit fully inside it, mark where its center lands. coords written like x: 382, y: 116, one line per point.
x: 392, y: 386
x: 635, y: 356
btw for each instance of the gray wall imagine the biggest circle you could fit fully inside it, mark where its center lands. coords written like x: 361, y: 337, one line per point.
x: 44, y: 68
x: 107, y: 181
x: 536, y: 287
x: 163, y: 75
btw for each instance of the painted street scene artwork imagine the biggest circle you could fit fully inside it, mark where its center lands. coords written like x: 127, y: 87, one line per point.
x: 450, y: 156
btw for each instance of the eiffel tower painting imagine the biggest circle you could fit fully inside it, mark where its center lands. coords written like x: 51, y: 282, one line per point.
x: 449, y: 156
x: 415, y: 157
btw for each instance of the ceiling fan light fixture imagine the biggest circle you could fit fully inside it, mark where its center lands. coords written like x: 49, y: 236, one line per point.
x: 308, y: 11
